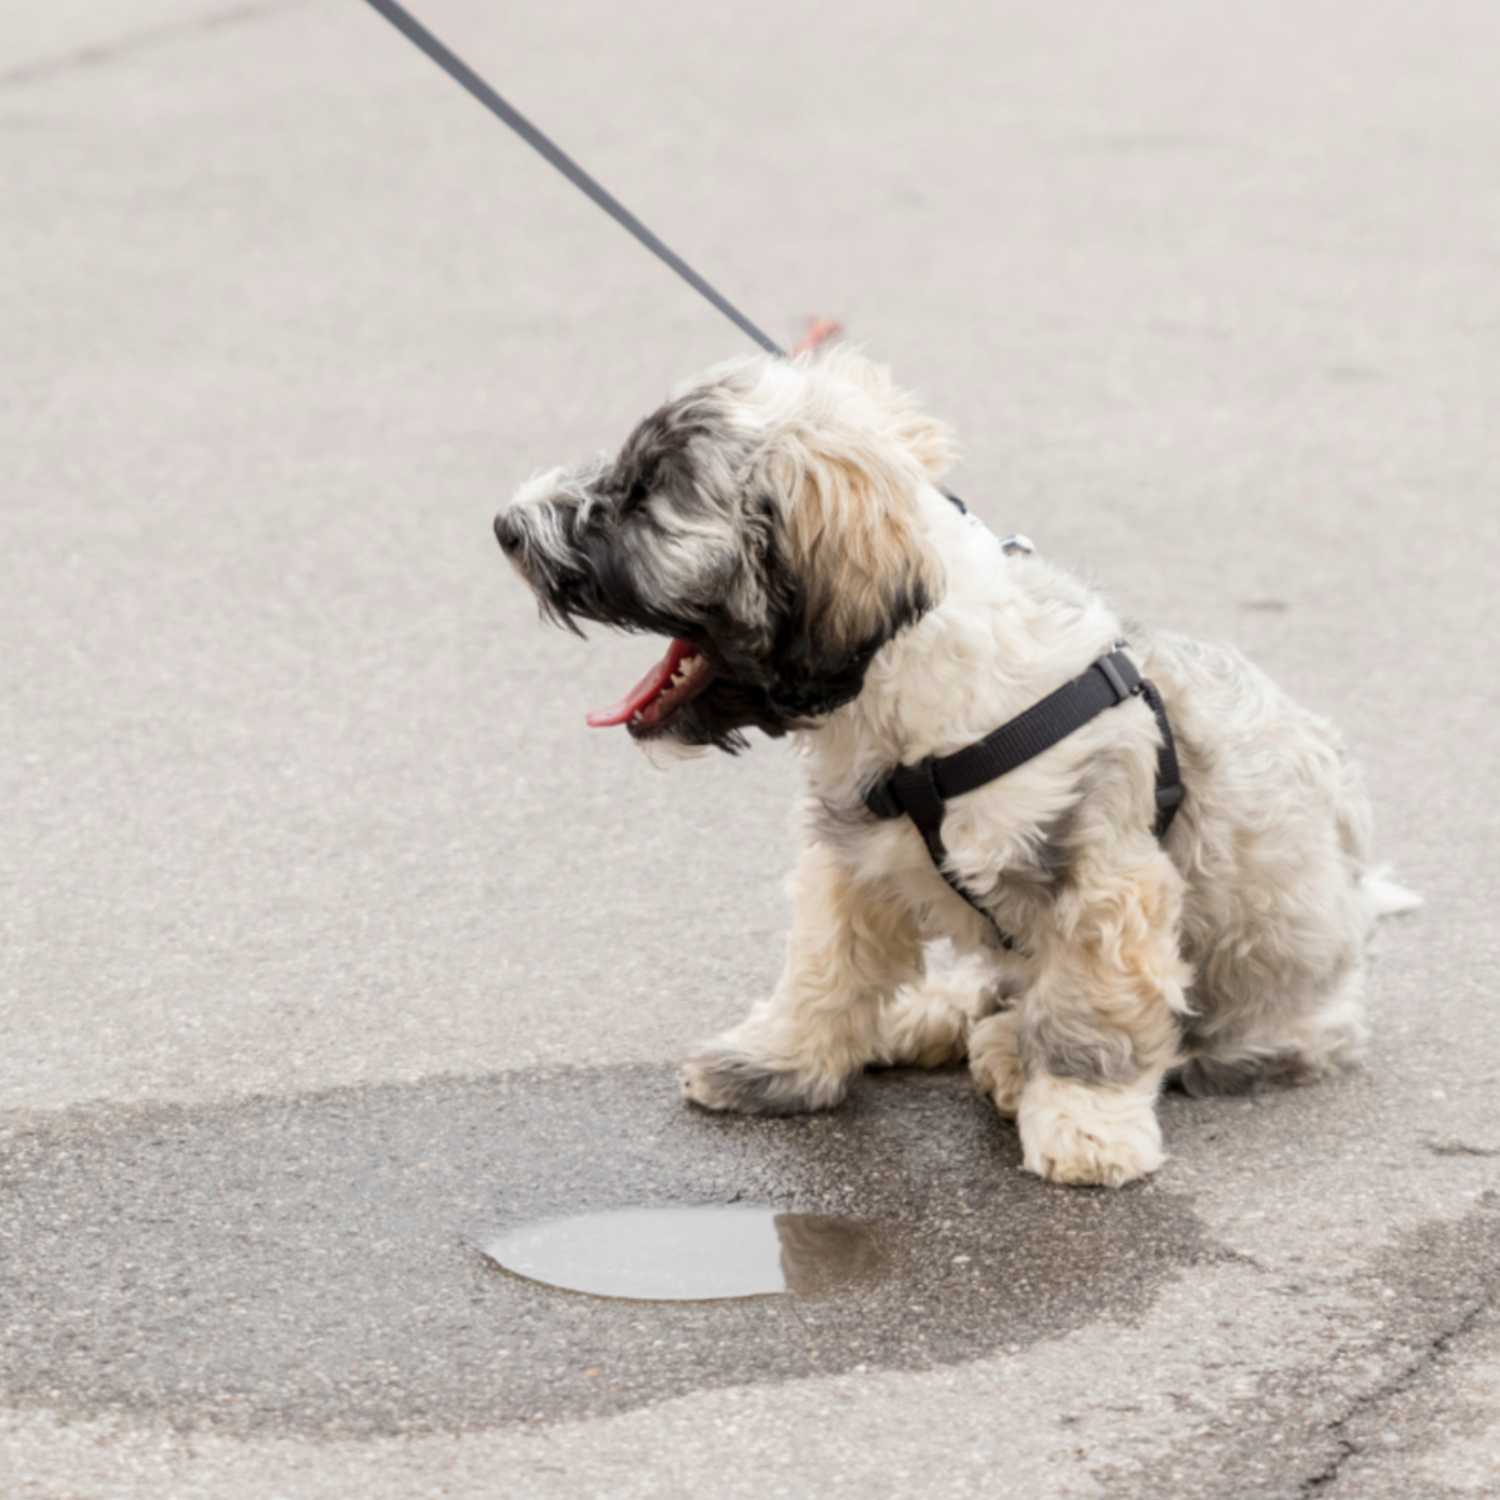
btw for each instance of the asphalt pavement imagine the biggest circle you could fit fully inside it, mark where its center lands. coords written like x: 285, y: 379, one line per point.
x: 332, y: 943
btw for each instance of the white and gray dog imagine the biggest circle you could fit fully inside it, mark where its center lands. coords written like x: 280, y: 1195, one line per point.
x: 779, y: 523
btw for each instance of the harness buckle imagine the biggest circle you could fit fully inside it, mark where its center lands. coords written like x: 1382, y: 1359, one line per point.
x: 1119, y: 685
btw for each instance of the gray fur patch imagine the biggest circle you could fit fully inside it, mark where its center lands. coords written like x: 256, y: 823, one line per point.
x: 1055, y: 850
x: 1212, y: 1077
x: 1049, y: 867
x: 743, y: 1085
x: 1086, y: 1054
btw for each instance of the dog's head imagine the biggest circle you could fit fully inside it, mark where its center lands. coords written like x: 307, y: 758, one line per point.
x: 766, y: 520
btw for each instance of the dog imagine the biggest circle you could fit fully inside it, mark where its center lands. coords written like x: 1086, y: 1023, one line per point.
x: 780, y: 523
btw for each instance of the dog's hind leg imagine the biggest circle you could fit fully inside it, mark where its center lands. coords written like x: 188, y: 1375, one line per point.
x: 853, y: 944
x: 1328, y: 1039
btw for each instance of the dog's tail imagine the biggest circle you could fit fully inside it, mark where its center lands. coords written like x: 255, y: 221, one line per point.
x: 1383, y: 897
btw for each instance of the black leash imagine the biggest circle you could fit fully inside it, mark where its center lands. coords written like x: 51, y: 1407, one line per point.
x: 920, y: 792
x: 461, y: 73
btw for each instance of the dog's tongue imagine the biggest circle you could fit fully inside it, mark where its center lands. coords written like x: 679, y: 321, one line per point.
x: 645, y: 691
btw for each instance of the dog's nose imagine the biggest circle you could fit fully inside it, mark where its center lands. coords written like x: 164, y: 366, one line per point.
x: 507, y: 533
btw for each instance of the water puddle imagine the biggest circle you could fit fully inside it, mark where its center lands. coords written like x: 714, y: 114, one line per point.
x: 696, y: 1254
x: 348, y: 1225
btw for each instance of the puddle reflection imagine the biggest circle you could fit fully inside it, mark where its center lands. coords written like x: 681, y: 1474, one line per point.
x: 694, y: 1254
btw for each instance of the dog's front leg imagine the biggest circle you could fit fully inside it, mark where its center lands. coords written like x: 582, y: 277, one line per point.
x: 852, y: 944
x: 1099, y: 1026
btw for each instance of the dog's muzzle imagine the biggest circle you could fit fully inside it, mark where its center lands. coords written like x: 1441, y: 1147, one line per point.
x: 509, y: 533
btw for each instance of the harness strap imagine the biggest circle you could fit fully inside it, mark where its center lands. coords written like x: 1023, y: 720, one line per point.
x: 920, y: 792
x: 1169, y: 788
x: 922, y: 789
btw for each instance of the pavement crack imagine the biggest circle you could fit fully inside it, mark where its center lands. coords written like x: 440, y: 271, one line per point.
x: 1397, y: 1384
x: 1461, y: 1148
x: 100, y: 54
x: 1330, y: 1471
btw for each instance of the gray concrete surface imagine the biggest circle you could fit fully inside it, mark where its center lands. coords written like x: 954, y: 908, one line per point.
x: 332, y: 940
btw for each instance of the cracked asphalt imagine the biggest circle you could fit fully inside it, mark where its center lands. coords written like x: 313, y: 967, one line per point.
x: 330, y: 941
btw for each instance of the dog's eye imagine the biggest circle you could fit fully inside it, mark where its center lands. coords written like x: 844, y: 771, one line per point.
x: 637, y: 495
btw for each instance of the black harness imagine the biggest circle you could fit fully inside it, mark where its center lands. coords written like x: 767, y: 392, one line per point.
x: 921, y: 792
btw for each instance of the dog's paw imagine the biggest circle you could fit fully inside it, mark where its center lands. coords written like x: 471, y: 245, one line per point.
x: 995, y: 1061
x: 1082, y: 1135
x: 737, y: 1083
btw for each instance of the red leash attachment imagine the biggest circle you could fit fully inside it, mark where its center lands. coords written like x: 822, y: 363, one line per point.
x: 819, y: 332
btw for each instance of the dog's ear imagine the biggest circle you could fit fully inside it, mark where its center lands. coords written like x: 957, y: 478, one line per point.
x: 862, y: 567
x: 849, y: 465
